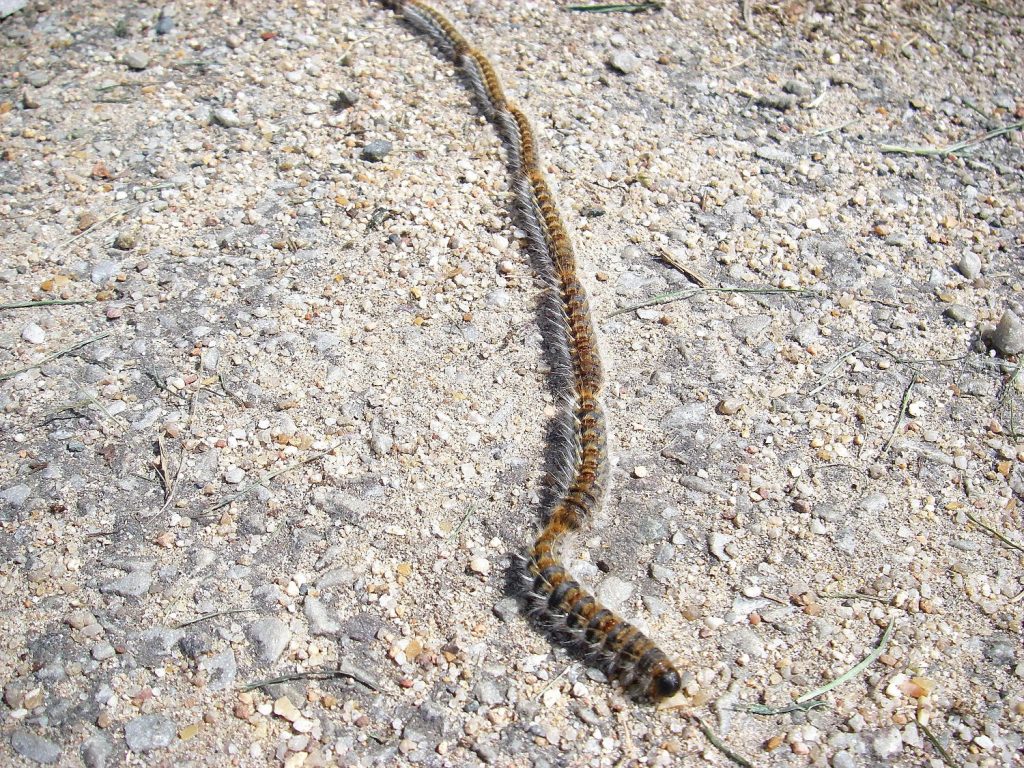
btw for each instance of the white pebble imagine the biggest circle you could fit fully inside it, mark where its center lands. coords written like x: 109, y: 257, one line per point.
x: 33, y: 334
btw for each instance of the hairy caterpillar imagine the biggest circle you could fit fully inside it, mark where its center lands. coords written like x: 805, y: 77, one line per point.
x: 564, y: 605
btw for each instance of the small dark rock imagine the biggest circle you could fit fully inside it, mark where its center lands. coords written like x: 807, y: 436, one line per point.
x: 376, y: 150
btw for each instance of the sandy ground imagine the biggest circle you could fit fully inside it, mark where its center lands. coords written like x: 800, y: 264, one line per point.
x: 293, y: 419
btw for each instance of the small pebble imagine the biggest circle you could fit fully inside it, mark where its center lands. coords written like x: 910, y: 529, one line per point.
x: 136, y: 60
x: 480, y: 565
x: 376, y: 150
x: 1008, y: 337
x: 124, y: 241
x: 717, y: 543
x: 34, y: 748
x: 225, y: 117
x: 624, y: 62
x: 33, y: 334
x: 969, y: 265
x: 149, y: 732
x: 271, y: 637
x: 613, y: 592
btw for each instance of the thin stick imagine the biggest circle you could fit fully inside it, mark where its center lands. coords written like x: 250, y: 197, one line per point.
x: 55, y: 355
x: 44, y: 303
x: 853, y: 671
x: 344, y: 670
x: 903, y: 412
x: 213, y: 615
x: 695, y: 277
x: 270, y: 476
x: 719, y: 744
x: 952, y: 149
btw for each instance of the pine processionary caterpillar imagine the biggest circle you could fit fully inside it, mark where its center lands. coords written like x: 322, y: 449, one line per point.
x: 560, y: 602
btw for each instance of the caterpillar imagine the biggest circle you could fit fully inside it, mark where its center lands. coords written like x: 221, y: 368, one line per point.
x: 560, y: 602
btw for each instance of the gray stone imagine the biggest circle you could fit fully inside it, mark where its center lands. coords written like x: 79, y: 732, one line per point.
x: 958, y: 314
x: 33, y: 334
x: 270, y: 636
x: 225, y: 117
x: 613, y: 592
x: 136, y: 60
x: 624, y: 62
x: 662, y: 575
x: 1008, y: 337
x: 969, y: 265
x: 134, y: 584
x: 37, y: 78
x: 805, y: 333
x: 16, y: 495
x: 874, y: 503
x: 716, y: 545
x: 376, y: 150
x: 751, y: 325
x: 336, y: 577
x: 165, y: 23
x: 843, y: 759
x: 96, y: 752
x: 506, y: 609
x: 104, y: 271
x: 321, y: 622
x: 7, y: 7
x: 156, y: 644
x: 149, y: 732
x: 487, y: 692
x: 887, y: 743
x: 34, y: 748
x: 774, y: 154
x: 747, y: 641
x: 324, y: 342
x: 222, y: 669
x: 685, y: 415
x: 1001, y: 650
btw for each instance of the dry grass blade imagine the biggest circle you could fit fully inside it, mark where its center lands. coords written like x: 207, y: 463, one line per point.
x: 342, y: 670
x: 952, y: 149
x: 270, y: 476
x: 946, y: 758
x: 213, y: 615
x: 904, y: 403
x: 854, y: 670
x: 55, y: 355
x: 616, y: 7
x: 824, y: 378
x: 45, y: 303
x: 719, y: 744
x: 666, y: 298
x: 994, y: 531
x: 812, y: 699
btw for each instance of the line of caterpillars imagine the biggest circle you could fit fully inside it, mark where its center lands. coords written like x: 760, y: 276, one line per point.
x: 560, y: 602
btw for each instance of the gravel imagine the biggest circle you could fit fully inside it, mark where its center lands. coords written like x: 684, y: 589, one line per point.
x: 255, y: 298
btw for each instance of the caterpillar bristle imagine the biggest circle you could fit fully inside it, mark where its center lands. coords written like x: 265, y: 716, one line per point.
x: 556, y: 601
